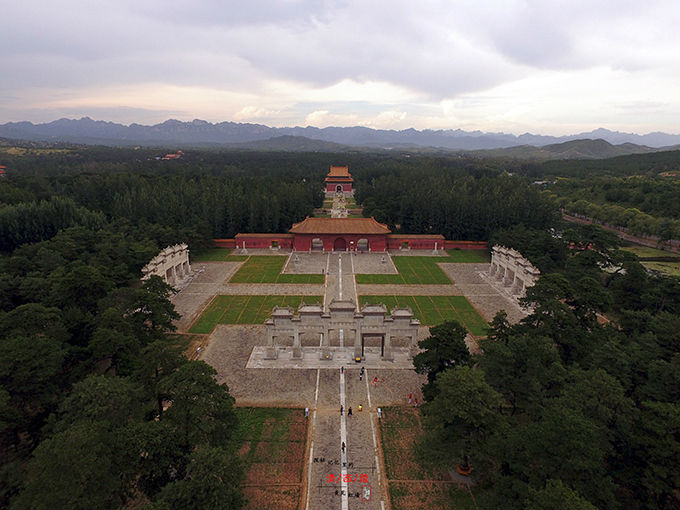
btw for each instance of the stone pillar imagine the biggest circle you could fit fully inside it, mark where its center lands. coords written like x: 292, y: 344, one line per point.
x: 297, y: 345
x: 325, y: 345
x: 357, y: 342
x: 270, y: 351
x: 387, y: 355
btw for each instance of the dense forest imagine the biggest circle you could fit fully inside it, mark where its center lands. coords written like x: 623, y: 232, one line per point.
x: 88, y: 357
x: 578, y: 405
x: 640, y: 193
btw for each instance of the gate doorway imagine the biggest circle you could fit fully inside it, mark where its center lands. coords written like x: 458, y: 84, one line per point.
x: 338, y: 188
x: 317, y: 244
x: 374, y: 336
x: 340, y: 244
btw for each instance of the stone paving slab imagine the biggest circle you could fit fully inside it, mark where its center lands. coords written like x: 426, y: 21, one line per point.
x: 340, y: 356
x: 372, y: 263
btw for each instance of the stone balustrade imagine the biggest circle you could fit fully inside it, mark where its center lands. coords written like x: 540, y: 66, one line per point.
x: 171, y: 264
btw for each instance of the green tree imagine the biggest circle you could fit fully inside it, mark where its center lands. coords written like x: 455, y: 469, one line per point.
x: 462, y: 416
x: 79, y: 468
x: 556, y: 495
x: 213, y: 481
x: 201, y: 410
x: 444, y: 348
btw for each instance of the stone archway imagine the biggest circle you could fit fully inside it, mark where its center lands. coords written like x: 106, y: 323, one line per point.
x: 317, y: 244
x: 339, y: 244
x: 338, y: 188
x: 362, y: 244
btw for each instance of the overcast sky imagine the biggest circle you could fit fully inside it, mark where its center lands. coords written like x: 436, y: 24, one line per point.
x: 542, y: 66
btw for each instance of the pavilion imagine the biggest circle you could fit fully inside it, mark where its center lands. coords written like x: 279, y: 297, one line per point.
x: 339, y: 180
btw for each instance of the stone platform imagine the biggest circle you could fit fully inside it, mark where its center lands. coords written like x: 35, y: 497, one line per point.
x: 340, y: 357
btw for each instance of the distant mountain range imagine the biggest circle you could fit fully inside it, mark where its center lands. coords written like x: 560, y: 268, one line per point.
x: 604, y: 143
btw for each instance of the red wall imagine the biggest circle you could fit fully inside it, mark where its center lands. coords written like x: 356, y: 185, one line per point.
x: 260, y: 242
x: 330, y: 187
x: 467, y: 245
x: 303, y: 242
x: 416, y: 243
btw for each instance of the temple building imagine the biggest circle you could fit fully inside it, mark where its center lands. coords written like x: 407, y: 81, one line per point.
x: 339, y: 180
x: 339, y: 234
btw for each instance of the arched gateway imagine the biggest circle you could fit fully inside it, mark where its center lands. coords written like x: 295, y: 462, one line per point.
x: 340, y: 244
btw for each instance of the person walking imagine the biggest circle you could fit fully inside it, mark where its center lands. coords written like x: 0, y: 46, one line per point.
x: 410, y: 398
x: 342, y: 410
x: 349, y: 412
x: 343, y: 447
x: 360, y: 407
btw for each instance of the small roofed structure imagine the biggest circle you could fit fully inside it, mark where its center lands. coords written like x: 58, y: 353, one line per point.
x: 339, y: 180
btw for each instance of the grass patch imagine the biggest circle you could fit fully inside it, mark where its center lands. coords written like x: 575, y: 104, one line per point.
x: 433, y: 310
x: 423, y: 269
x: 244, y: 310
x: 216, y: 255
x: 667, y: 267
x: 466, y: 256
x: 267, y: 269
x: 271, y: 445
x: 412, y: 270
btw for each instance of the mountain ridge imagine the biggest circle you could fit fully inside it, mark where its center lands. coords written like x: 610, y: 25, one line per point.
x: 227, y: 133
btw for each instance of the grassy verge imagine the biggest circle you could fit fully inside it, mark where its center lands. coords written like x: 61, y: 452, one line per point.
x: 244, y: 310
x: 432, y: 310
x: 267, y: 269
x: 271, y: 445
x: 216, y: 255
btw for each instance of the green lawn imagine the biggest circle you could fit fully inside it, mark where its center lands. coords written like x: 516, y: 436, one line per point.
x: 671, y: 268
x: 423, y: 269
x: 433, y: 310
x: 216, y: 255
x: 244, y: 310
x: 466, y: 256
x: 267, y: 269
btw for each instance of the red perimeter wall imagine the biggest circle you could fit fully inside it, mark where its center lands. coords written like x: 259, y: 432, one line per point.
x: 303, y: 242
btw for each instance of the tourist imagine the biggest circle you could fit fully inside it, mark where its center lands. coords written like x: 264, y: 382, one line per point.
x: 343, y: 447
x: 410, y: 398
x: 306, y: 412
x: 349, y: 412
x: 342, y: 410
x: 375, y: 380
x: 416, y: 403
x: 360, y: 407
x: 379, y: 413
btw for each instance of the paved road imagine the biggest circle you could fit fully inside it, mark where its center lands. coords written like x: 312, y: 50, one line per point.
x: 336, y: 479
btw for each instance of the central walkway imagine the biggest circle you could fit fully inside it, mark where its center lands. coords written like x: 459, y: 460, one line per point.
x: 353, y: 478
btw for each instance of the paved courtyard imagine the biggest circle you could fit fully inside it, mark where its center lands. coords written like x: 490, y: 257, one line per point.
x: 323, y: 386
